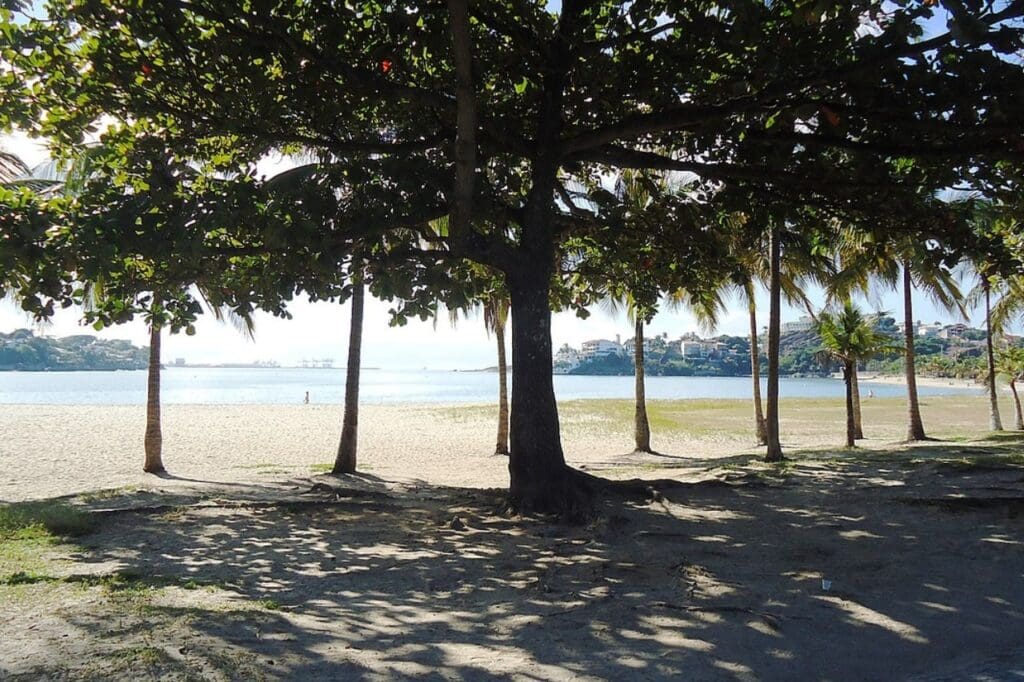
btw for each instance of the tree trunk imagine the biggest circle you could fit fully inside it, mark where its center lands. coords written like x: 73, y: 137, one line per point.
x: 641, y: 427
x: 499, y: 332
x: 1019, y: 423
x: 345, y: 462
x: 915, y: 427
x: 849, y: 369
x: 858, y: 431
x: 994, y: 421
x: 539, y: 481
x: 153, y: 441
x: 774, y: 453
x: 755, y: 372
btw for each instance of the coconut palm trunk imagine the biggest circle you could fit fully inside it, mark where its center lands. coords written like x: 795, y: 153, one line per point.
x: 995, y: 423
x: 755, y: 373
x: 858, y: 431
x: 915, y: 427
x: 153, y: 441
x: 345, y: 462
x: 849, y: 370
x: 774, y: 452
x: 641, y: 426
x: 502, y: 445
x: 1019, y: 421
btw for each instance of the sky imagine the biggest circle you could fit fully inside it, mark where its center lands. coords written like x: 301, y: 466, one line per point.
x: 320, y: 330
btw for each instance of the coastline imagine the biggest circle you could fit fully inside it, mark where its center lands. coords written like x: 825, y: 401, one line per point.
x: 936, y: 382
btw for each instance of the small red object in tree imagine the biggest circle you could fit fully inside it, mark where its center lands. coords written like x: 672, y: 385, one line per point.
x: 147, y: 70
x: 385, y: 65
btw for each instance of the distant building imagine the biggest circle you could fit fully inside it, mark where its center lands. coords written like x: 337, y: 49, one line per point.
x: 804, y: 324
x: 599, y: 348
x: 929, y: 330
x: 953, y: 331
x: 179, y: 362
x: 566, y: 359
x: 694, y: 349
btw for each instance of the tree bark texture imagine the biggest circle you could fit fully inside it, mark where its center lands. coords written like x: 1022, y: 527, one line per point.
x: 858, y: 429
x: 345, y: 462
x: 641, y: 426
x: 774, y: 452
x: 849, y: 368
x: 1019, y: 422
x: 995, y: 423
x: 540, y: 481
x: 502, y: 444
x: 755, y: 372
x: 153, y: 440
x: 915, y: 427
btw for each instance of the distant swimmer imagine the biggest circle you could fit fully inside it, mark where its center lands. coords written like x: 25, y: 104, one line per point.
x: 306, y: 400
x: 871, y: 394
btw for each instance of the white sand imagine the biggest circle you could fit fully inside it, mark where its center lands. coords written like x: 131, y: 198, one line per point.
x: 47, y: 451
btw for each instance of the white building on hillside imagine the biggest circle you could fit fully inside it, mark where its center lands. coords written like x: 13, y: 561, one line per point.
x: 804, y: 324
x: 694, y: 349
x: 566, y: 359
x: 598, y: 348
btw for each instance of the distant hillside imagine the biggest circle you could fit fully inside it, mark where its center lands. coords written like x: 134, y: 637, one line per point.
x: 960, y: 357
x: 23, y: 350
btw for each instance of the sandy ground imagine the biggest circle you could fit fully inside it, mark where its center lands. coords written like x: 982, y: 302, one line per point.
x: 46, y: 451
x: 248, y: 566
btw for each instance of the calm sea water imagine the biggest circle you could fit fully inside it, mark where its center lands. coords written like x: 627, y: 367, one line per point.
x: 200, y: 386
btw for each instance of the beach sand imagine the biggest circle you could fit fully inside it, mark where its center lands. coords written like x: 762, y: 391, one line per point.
x: 46, y: 451
x: 881, y: 563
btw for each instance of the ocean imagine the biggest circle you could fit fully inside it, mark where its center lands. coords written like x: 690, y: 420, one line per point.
x: 282, y: 386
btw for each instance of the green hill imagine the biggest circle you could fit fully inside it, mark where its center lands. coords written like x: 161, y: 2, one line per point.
x: 23, y: 350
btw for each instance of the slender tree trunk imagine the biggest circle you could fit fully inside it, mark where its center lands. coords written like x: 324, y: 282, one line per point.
x: 153, y: 441
x: 755, y: 372
x: 1019, y: 422
x: 641, y: 426
x: 499, y: 333
x: 995, y: 423
x: 539, y: 481
x: 345, y: 462
x: 849, y: 368
x: 774, y: 453
x: 858, y: 431
x: 915, y: 427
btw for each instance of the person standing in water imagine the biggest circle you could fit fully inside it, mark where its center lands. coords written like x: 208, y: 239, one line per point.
x: 306, y: 400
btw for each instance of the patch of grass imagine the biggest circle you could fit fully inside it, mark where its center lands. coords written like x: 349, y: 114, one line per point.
x: 269, y: 604
x: 24, y: 520
x: 107, y: 494
x: 322, y: 468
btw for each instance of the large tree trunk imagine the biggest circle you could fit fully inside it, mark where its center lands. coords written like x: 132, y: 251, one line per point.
x: 540, y: 481
x: 1019, y: 423
x: 345, y: 462
x: 774, y: 453
x: 153, y: 441
x: 755, y: 372
x: 641, y: 427
x: 499, y: 332
x: 995, y: 423
x: 858, y: 430
x: 915, y: 427
x: 849, y: 368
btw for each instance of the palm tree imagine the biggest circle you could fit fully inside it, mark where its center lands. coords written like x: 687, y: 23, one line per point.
x: 635, y: 314
x: 496, y: 309
x: 774, y: 447
x: 345, y: 461
x: 1009, y: 364
x: 903, y: 264
x: 849, y: 337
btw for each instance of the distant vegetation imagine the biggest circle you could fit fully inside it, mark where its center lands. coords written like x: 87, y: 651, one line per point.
x: 947, y: 358
x: 23, y: 350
